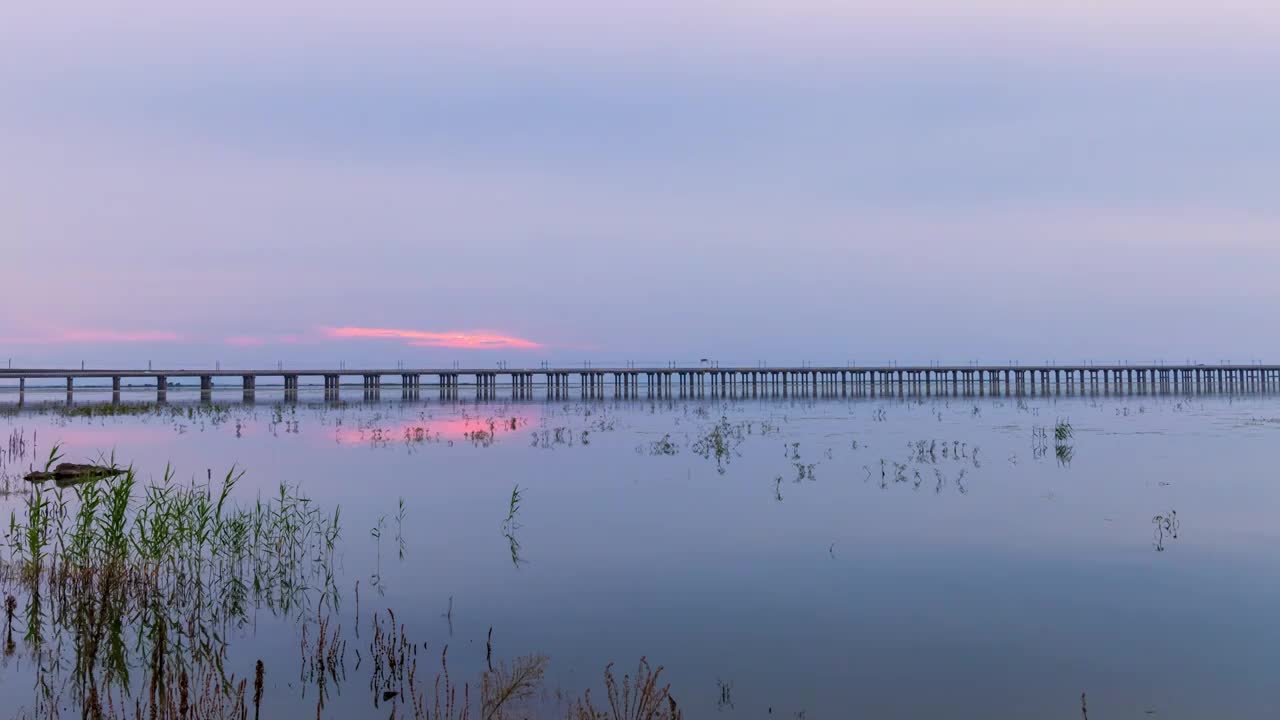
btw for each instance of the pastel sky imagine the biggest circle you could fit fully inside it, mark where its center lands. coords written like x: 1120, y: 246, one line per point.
x: 565, y: 180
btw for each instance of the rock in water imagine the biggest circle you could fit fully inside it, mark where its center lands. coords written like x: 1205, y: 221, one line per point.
x: 71, y: 473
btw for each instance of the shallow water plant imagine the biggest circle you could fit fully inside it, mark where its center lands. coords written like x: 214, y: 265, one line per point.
x: 513, y: 508
x: 1063, y: 431
x: 151, y: 577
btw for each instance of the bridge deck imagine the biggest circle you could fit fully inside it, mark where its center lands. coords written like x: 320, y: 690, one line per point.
x: 891, y: 370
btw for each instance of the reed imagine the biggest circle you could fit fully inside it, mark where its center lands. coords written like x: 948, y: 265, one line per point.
x: 163, y: 570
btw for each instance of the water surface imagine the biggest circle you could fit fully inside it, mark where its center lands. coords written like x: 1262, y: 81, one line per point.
x: 830, y: 557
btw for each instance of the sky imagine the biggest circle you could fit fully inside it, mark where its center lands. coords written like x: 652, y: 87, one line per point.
x: 565, y: 181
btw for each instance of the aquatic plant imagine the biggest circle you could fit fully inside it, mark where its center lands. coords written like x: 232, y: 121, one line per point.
x: 1062, y: 431
x: 509, y: 684
x: 639, y: 698
x: 513, y: 507
x: 663, y: 446
x: 161, y: 570
x: 721, y: 441
x: 1166, y: 526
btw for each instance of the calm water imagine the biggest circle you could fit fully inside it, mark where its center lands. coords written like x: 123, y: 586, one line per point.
x: 841, y: 558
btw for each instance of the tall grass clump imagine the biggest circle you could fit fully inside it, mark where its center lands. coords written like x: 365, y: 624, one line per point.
x: 155, y: 575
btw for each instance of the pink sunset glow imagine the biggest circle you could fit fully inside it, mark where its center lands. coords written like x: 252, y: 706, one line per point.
x: 469, y: 339
x: 475, y: 429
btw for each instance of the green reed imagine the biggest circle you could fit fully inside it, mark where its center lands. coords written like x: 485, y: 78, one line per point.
x: 125, y: 570
x: 1063, y: 431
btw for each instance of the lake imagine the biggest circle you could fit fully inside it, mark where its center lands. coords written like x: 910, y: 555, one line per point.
x: 960, y: 557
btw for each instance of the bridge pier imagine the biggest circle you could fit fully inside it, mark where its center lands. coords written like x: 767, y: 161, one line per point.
x: 372, y: 386
x: 409, y: 386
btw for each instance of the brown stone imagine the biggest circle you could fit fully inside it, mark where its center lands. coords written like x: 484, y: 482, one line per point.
x: 70, y: 473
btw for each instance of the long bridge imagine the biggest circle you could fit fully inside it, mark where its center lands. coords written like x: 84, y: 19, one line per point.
x: 703, y: 381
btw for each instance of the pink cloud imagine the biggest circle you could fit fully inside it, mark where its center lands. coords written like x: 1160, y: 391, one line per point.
x: 469, y: 339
